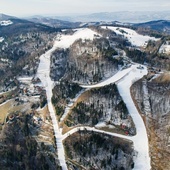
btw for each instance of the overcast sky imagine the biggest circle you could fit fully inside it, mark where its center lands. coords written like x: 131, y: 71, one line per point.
x: 63, y: 7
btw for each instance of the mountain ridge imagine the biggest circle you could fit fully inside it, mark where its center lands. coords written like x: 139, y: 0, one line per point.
x: 6, y: 17
x: 159, y: 25
x: 59, y: 22
x: 123, y: 16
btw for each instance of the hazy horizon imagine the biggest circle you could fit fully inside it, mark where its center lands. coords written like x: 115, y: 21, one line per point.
x: 25, y: 8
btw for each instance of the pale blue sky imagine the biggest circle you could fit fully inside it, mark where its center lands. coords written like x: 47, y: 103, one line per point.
x: 62, y: 7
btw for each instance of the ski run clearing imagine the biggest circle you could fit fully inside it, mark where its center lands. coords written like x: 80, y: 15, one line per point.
x: 123, y: 78
x: 133, y: 37
x: 44, y: 74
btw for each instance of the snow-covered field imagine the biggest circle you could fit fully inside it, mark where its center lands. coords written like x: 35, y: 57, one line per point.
x: 64, y: 41
x: 5, y: 23
x: 133, y: 37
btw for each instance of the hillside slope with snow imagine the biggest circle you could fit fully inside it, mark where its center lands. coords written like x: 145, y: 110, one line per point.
x: 83, y: 77
x: 133, y: 37
x: 64, y: 41
x: 43, y: 73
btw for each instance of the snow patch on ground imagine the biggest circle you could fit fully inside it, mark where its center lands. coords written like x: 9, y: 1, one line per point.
x: 6, y: 23
x: 100, y: 125
x: 133, y: 37
x: 165, y: 48
x: 26, y: 80
x: 1, y: 39
x: 70, y: 104
x: 146, y: 103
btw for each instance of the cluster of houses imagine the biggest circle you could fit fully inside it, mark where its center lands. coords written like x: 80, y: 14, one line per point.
x: 11, y: 118
x: 32, y: 88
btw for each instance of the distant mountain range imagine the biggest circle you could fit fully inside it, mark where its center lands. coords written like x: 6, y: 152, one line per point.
x: 6, y: 17
x: 50, y: 21
x: 160, y: 24
x: 21, y: 26
x: 122, y: 16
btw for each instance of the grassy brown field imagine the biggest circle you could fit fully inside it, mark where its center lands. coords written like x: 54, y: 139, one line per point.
x: 44, y: 112
x: 4, y: 110
x: 163, y: 78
